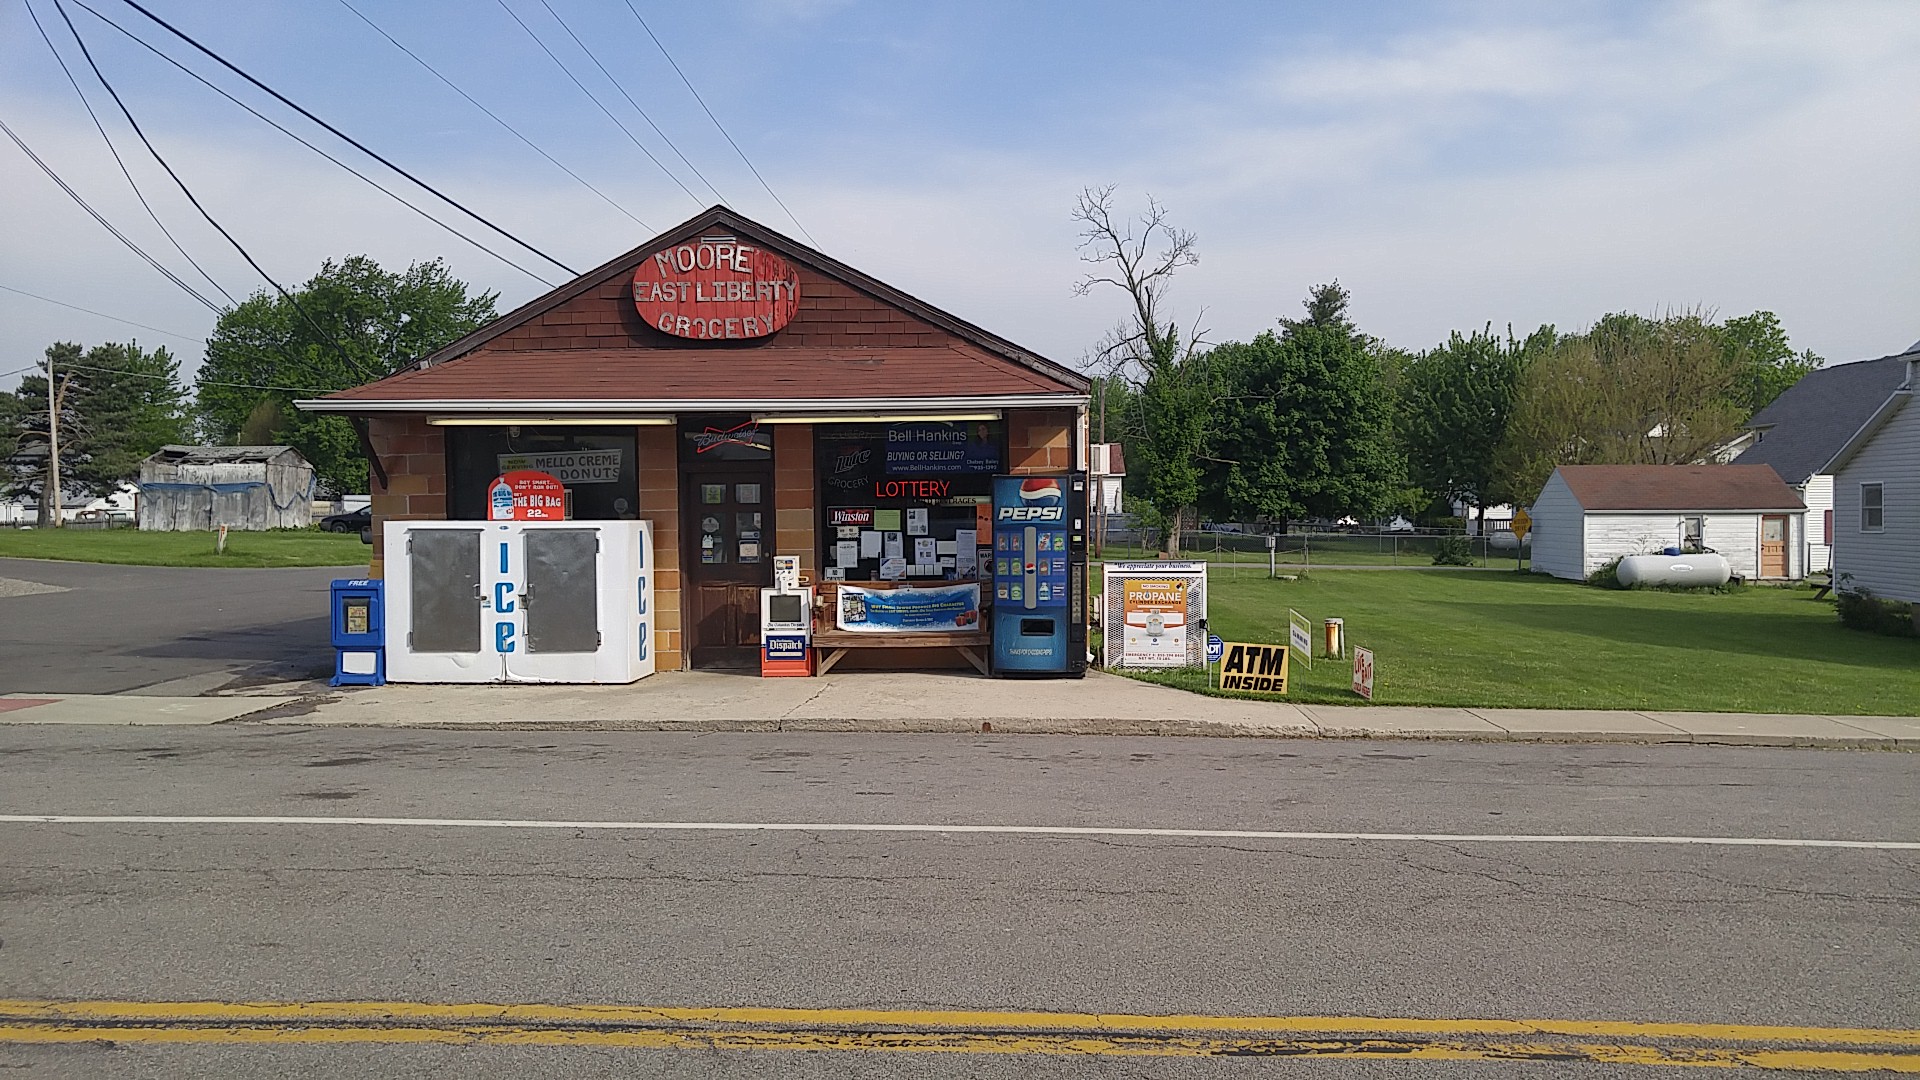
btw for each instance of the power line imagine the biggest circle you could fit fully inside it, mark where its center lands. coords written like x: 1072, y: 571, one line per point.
x: 117, y: 160
x: 104, y: 223
x: 277, y: 126
x: 495, y: 117
x: 196, y: 382
x: 350, y: 140
x: 188, y: 192
x: 568, y: 72
x: 716, y: 123
x: 630, y: 101
x: 100, y: 314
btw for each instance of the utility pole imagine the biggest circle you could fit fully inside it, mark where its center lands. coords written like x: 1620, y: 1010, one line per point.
x: 52, y: 489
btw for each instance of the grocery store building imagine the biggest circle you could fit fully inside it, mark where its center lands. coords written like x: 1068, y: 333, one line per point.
x: 750, y: 397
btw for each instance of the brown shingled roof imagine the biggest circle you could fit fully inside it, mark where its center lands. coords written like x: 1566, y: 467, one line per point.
x: 669, y: 374
x: 1679, y: 487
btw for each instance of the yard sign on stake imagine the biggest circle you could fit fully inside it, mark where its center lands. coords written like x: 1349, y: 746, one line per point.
x: 1363, y: 672
x: 1300, y: 636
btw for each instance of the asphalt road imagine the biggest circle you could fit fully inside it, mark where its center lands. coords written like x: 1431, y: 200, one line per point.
x: 1438, y: 929
x: 131, y: 628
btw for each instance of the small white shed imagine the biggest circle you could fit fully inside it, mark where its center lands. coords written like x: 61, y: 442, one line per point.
x: 252, y: 488
x: 1587, y: 515
x: 1876, y: 499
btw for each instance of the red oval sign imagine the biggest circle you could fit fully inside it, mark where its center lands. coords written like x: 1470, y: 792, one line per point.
x: 716, y: 288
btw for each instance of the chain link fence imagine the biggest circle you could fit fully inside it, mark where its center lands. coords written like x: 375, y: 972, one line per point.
x: 1296, y: 550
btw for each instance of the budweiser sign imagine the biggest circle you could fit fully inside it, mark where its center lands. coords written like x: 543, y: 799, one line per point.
x: 716, y: 288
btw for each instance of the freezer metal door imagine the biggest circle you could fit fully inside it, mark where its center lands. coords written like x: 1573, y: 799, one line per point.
x: 444, y: 567
x: 561, y: 601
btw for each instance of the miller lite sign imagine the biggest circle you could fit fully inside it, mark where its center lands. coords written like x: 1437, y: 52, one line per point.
x: 1040, y: 500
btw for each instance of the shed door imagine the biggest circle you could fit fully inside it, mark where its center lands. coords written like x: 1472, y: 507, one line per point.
x: 1773, y: 546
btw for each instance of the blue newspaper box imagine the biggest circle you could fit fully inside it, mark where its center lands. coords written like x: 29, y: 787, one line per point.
x: 359, y: 632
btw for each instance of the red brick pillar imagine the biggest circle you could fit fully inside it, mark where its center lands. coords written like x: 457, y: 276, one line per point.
x: 414, y: 454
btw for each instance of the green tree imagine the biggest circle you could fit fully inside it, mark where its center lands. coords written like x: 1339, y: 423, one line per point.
x: 1766, y: 364
x: 354, y: 322
x: 1304, y: 421
x: 1454, y: 402
x: 118, y: 404
x: 1173, y: 399
x: 1629, y: 391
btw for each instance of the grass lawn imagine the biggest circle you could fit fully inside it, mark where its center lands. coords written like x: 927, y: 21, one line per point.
x: 244, y: 549
x: 1527, y: 641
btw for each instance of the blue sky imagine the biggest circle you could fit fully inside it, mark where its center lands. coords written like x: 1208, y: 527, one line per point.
x: 1453, y: 164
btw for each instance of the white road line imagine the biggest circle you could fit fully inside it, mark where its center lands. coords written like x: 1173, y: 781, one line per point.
x: 1016, y: 830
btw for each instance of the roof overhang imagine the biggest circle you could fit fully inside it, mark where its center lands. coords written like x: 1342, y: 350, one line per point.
x: 653, y: 411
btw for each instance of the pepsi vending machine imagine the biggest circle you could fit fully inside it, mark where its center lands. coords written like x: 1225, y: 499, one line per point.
x: 1040, y: 574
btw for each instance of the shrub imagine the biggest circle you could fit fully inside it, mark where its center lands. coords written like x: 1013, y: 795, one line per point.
x: 1608, y: 576
x: 1453, y: 549
x: 1861, y: 610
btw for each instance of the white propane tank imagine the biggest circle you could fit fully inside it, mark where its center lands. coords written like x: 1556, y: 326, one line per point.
x: 1693, y: 571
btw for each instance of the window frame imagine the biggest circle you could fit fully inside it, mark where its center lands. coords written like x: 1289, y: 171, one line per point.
x: 1879, y: 507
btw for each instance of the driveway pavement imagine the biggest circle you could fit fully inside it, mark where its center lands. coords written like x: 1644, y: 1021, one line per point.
x: 156, y: 629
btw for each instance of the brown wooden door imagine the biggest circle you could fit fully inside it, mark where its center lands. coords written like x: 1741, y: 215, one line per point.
x: 1773, y: 547
x: 727, y: 519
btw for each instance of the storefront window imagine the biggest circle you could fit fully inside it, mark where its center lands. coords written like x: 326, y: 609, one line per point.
x: 599, y: 467
x: 906, y: 501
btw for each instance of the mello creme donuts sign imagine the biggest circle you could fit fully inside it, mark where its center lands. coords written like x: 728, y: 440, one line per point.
x: 716, y: 288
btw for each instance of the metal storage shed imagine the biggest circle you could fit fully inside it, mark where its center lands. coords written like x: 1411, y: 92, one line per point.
x: 252, y: 488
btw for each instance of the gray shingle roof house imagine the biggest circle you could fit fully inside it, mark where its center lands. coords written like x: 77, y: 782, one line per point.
x: 1876, y: 489
x: 1806, y: 426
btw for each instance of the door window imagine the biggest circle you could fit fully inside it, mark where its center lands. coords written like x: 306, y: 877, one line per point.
x: 1773, y: 530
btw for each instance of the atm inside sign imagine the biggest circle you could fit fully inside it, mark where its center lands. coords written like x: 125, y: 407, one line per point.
x: 1259, y: 669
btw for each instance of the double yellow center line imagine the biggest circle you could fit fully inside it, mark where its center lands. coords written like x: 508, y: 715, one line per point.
x: 1053, y: 1033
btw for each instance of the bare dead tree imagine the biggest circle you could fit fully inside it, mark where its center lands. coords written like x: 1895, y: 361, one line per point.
x: 1139, y: 256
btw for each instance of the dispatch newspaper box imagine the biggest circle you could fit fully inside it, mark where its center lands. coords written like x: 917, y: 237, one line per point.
x: 786, y: 622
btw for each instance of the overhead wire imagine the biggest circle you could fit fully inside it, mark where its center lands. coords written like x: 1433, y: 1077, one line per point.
x: 277, y: 126
x: 104, y: 223
x: 350, y: 140
x: 117, y: 159
x: 568, y: 72
x: 188, y: 192
x: 636, y: 105
x: 196, y: 382
x: 494, y: 116
x: 100, y: 314
x: 716, y: 123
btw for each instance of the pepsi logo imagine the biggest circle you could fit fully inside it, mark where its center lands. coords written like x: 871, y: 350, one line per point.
x: 1036, y: 490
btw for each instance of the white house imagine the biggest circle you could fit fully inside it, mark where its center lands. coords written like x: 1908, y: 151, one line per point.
x: 1876, y: 498
x: 1807, y: 425
x: 1108, y: 473
x: 1587, y: 515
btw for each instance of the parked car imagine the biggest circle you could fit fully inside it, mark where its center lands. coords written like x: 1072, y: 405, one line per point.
x: 351, y: 521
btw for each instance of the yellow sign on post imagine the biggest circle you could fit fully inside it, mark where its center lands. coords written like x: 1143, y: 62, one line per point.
x: 1259, y: 669
x: 1522, y: 522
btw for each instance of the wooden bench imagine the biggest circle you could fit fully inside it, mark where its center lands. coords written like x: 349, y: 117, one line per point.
x: 1821, y: 587
x: 831, y: 645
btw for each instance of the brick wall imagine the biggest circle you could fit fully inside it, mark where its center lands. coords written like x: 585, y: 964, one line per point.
x: 793, y: 511
x: 832, y: 313
x: 415, y: 456
x: 660, y: 503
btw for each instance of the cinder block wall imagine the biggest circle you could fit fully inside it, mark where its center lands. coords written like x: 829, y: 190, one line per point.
x: 660, y: 503
x: 1038, y: 440
x: 793, y: 510
x: 414, y: 453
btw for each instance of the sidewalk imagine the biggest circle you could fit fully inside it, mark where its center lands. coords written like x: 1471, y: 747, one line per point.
x: 1100, y: 704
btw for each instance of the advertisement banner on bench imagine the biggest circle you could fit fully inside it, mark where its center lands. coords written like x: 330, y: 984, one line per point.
x: 952, y: 609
